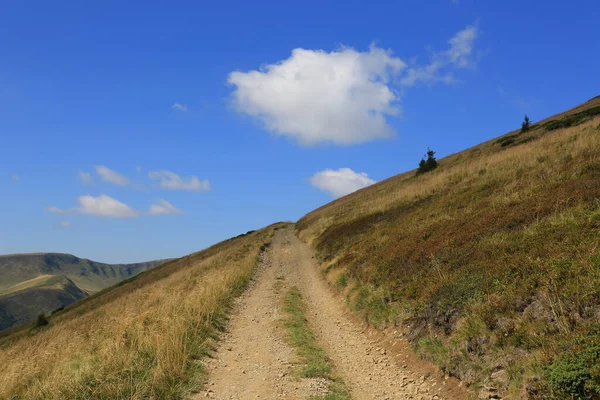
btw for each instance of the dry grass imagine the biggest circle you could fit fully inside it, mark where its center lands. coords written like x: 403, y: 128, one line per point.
x: 492, y: 260
x: 143, y: 339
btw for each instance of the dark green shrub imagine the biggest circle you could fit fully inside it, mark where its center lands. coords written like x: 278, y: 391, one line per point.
x: 576, y: 374
x: 527, y: 140
x: 427, y: 164
x: 572, y: 120
x: 507, y: 140
x: 525, y: 125
x: 41, y: 320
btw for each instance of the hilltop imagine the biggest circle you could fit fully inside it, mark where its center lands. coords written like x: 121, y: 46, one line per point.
x: 44, y: 282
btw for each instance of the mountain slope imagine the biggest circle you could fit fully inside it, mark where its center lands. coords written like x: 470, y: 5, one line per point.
x: 44, y: 282
x: 491, y: 262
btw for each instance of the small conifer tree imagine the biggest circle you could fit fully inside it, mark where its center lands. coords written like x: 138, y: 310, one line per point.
x: 429, y: 163
x: 525, y: 124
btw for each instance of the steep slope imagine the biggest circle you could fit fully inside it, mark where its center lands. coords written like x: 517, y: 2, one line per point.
x: 141, y: 339
x: 491, y: 262
x: 44, y: 282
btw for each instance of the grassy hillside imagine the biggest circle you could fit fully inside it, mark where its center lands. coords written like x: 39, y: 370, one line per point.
x: 141, y: 339
x: 43, y: 282
x: 491, y: 262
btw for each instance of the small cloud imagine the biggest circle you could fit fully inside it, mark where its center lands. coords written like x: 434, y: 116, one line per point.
x: 458, y: 56
x: 180, y: 107
x: 104, y: 206
x: 164, y: 208
x: 56, y: 210
x: 65, y: 224
x: 101, y: 206
x: 85, y: 177
x: 138, y: 168
x: 172, y: 181
x: 111, y: 176
x: 15, y: 177
x: 340, y: 182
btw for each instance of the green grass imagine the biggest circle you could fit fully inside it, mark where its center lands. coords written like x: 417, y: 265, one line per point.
x: 314, y: 361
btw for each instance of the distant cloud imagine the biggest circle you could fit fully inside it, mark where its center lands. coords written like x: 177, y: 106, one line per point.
x: 104, y: 206
x: 65, y: 224
x: 172, y: 181
x: 111, y: 176
x: 138, y: 168
x: 15, y: 177
x: 85, y: 177
x: 342, y: 97
x: 340, y: 182
x: 179, y: 107
x: 164, y: 208
x: 458, y: 56
x: 101, y: 206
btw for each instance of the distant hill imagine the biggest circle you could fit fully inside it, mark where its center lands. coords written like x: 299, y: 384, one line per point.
x: 43, y: 282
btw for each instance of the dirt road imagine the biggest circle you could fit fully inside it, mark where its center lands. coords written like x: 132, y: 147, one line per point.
x: 255, y: 361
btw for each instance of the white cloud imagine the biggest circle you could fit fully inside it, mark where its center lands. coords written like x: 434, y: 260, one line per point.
x: 85, y: 177
x: 170, y: 180
x: 15, y: 177
x: 345, y: 96
x: 340, y: 182
x: 104, y: 206
x: 65, y: 224
x: 138, y: 168
x: 180, y: 107
x: 314, y: 96
x: 101, y: 206
x: 164, y: 208
x: 56, y: 210
x: 458, y: 55
x: 112, y: 176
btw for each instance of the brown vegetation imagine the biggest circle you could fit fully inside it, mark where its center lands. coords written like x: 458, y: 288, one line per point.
x: 141, y: 339
x: 491, y: 261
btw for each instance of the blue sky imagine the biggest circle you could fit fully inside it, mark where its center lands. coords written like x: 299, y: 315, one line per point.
x: 139, y: 130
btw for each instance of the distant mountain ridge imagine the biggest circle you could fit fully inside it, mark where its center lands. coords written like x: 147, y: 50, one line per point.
x: 43, y: 282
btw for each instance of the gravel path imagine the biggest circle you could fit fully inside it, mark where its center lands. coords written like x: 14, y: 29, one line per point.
x: 255, y: 361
